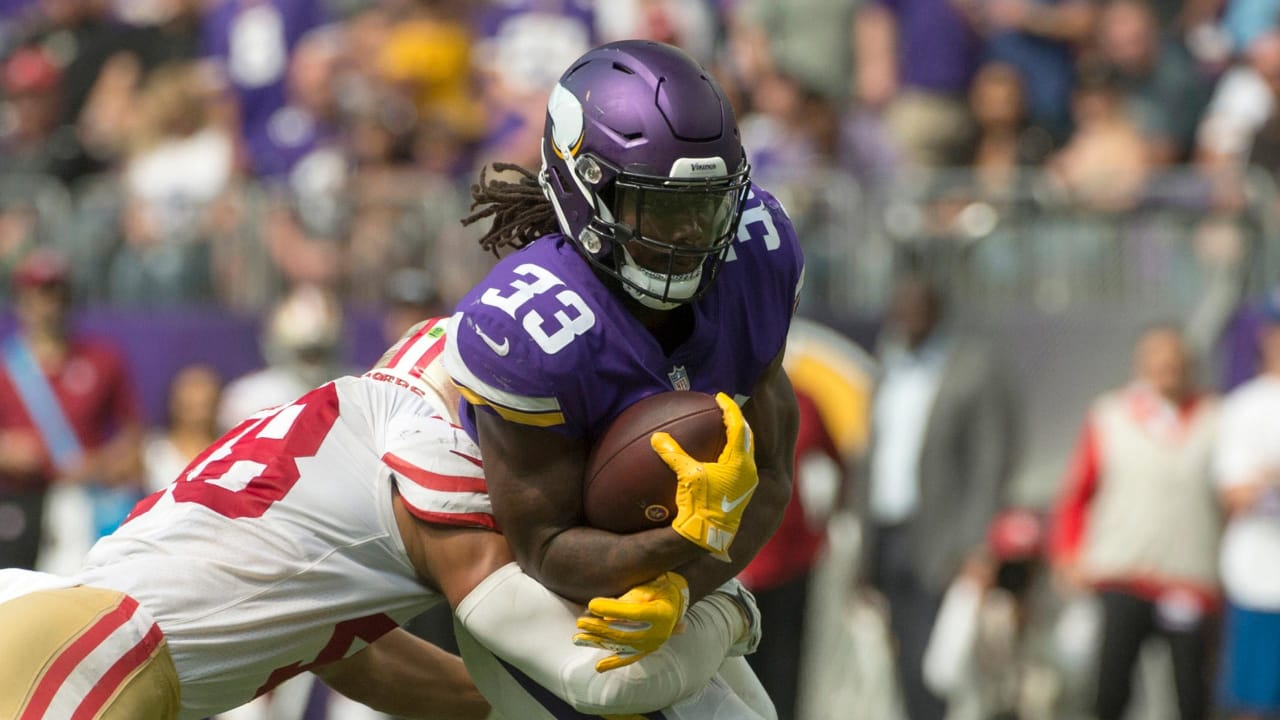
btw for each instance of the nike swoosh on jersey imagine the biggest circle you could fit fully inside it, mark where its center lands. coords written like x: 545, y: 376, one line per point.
x: 499, y: 348
x: 727, y: 506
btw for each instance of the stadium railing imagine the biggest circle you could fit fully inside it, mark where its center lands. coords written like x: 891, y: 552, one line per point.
x: 1060, y: 284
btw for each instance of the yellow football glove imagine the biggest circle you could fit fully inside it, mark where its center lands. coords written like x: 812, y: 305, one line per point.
x: 635, y: 624
x: 711, y: 497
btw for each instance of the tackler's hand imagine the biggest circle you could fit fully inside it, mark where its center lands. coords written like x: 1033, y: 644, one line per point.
x: 711, y: 497
x: 635, y: 624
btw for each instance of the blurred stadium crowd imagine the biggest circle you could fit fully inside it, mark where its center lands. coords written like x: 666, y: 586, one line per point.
x: 200, y: 151
x: 1069, y: 171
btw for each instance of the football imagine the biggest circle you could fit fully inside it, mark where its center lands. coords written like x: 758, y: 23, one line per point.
x: 628, y: 487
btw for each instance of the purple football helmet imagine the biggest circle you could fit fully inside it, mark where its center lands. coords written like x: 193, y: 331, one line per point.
x: 642, y: 161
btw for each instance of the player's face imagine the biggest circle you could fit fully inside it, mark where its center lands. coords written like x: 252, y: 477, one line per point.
x: 672, y: 221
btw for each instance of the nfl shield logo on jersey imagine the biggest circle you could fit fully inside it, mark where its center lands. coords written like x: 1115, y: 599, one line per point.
x: 679, y: 378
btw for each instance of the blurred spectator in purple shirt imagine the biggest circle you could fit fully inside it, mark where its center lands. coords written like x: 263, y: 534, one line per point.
x: 14, y: 16
x: 251, y: 41
x: 15, y: 9
x: 302, y: 136
x: 523, y: 46
x: 915, y: 59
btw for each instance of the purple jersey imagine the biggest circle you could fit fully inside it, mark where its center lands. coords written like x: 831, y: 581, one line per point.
x: 252, y: 40
x: 542, y: 341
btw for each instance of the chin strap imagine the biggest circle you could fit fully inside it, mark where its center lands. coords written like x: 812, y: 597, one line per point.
x: 654, y: 284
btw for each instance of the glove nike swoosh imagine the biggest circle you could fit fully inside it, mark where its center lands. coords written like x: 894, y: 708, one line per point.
x: 727, y: 506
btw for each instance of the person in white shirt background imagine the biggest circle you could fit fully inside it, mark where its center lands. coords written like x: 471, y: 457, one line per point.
x: 1247, y: 466
x: 944, y: 443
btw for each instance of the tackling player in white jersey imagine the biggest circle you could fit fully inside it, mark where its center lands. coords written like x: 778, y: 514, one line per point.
x: 299, y: 542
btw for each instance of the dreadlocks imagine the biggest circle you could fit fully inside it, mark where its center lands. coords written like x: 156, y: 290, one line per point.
x: 521, y: 213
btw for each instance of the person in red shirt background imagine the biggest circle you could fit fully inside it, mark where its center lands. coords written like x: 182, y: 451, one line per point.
x: 68, y: 412
x: 779, y: 576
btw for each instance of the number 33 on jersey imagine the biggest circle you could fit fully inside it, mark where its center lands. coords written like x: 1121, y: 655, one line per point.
x: 542, y: 341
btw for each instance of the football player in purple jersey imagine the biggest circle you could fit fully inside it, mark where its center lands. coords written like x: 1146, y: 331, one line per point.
x: 639, y: 259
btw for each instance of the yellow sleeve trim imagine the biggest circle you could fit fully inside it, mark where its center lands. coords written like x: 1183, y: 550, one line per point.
x: 544, y: 419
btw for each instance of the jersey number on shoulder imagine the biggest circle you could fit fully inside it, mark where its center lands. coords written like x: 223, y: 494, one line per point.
x: 756, y: 225
x: 256, y: 465
x: 571, y: 319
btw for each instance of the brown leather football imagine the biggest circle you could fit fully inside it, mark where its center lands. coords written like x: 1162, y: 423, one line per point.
x: 628, y: 487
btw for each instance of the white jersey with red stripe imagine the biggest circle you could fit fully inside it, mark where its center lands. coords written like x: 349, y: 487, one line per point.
x: 277, y: 549
x: 416, y: 363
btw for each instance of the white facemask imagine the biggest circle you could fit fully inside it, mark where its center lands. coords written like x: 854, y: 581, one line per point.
x: 682, y: 286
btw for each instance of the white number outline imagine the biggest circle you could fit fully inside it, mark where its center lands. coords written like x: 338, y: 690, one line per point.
x: 535, y: 280
x: 757, y: 213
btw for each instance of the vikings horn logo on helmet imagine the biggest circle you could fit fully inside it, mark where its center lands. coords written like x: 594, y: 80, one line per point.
x: 567, y: 127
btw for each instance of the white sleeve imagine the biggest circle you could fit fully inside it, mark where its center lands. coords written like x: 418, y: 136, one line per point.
x: 438, y: 471
x: 530, y: 627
